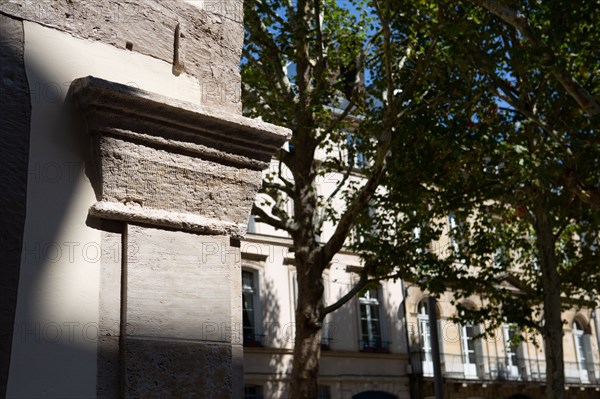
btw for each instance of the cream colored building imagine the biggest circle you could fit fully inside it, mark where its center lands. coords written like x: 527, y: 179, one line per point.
x: 364, y: 342
x: 120, y: 121
x: 394, y: 319
x: 492, y: 367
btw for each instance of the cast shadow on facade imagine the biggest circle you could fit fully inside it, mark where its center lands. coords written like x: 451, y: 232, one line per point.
x: 42, y: 154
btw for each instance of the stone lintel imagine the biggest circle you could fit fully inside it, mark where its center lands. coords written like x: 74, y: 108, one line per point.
x: 252, y: 256
x: 169, y: 163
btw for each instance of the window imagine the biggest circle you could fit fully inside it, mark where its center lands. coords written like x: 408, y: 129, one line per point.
x: 370, y: 323
x: 253, y: 392
x: 249, y: 308
x: 355, y: 237
x: 510, y: 349
x: 578, y: 335
x: 251, y: 224
x: 416, y: 236
x: 425, y: 338
x: 468, y: 350
x: 354, y: 153
x: 455, y: 225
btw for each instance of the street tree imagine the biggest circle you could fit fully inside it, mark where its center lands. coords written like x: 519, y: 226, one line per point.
x: 344, y: 77
x: 513, y: 155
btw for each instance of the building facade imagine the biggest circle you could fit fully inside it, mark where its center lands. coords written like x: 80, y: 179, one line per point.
x: 363, y: 347
x: 494, y: 366
x: 120, y: 122
x: 378, y: 345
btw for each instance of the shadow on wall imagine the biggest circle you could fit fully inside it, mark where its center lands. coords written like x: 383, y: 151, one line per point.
x: 44, y: 345
x: 15, y: 103
x: 398, y: 321
x: 344, y: 323
x: 277, y: 333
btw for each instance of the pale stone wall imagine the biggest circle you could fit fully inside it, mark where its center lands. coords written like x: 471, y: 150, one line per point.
x: 57, y: 313
x: 208, y: 45
x: 113, y: 292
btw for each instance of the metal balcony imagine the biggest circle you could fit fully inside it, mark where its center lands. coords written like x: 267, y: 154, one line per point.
x: 491, y: 368
x: 374, y: 346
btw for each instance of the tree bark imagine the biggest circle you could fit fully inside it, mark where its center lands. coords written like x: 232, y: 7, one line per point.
x: 307, y: 340
x: 309, y: 268
x: 309, y: 322
x: 553, y: 326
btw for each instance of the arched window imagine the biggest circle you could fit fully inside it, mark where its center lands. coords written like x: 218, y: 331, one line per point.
x: 425, y: 337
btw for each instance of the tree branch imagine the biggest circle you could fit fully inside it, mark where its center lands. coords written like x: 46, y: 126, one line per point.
x: 270, y: 220
x: 288, y: 184
x: 275, y: 186
x: 586, y: 101
x: 511, y: 98
x: 359, y: 203
x: 352, y: 100
x: 320, y: 64
x: 362, y: 282
x: 344, y: 179
x: 272, y: 51
x: 271, y: 12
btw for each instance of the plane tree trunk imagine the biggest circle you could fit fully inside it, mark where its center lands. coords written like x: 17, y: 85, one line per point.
x: 552, y: 329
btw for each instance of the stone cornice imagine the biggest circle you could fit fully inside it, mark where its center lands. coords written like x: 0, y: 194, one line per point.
x: 114, y: 108
x: 165, y: 162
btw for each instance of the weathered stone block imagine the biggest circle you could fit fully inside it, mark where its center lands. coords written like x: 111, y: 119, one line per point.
x: 179, y: 285
x: 210, y: 35
x: 170, y: 369
x: 170, y: 163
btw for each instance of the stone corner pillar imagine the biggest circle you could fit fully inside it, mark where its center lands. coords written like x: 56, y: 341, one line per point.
x: 179, y: 181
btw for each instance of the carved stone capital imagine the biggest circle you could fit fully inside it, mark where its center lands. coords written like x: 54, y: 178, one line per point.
x: 164, y: 162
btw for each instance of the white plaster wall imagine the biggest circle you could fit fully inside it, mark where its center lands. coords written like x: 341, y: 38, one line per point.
x: 54, y: 343
x: 325, y: 186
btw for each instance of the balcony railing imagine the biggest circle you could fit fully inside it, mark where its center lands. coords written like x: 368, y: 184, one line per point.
x: 374, y: 346
x: 326, y: 344
x: 493, y: 368
x: 252, y: 340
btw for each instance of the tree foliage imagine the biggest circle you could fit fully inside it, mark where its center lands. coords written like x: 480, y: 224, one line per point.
x: 484, y: 109
x: 513, y: 153
x: 345, y: 78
